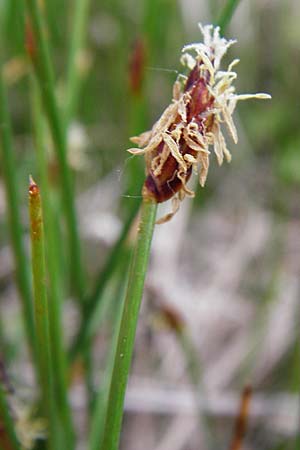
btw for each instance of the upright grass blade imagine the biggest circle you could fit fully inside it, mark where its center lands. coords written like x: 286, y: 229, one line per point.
x: 126, y: 336
x: 12, y: 19
x: 103, y: 278
x: 50, y: 8
x: 15, y: 226
x: 120, y: 372
x: 55, y: 289
x: 74, y: 74
x: 8, y: 437
x: 81, y: 8
x: 41, y: 309
x: 127, y: 330
x: 136, y: 121
x: 227, y: 13
x: 136, y: 175
x: 155, y: 25
x: 96, y: 313
x: 40, y: 56
x: 178, y: 326
x: 101, y: 400
x: 195, y: 375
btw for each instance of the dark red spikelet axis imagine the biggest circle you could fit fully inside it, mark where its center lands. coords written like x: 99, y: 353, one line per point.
x: 164, y: 186
x: 201, y: 99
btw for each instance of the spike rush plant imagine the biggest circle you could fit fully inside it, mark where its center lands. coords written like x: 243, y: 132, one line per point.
x: 177, y: 145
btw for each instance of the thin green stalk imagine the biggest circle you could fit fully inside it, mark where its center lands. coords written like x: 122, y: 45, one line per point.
x: 97, y: 423
x: 42, y: 64
x: 101, y: 400
x: 81, y: 8
x: 41, y: 310
x: 12, y: 26
x: 103, y: 278
x: 127, y: 330
x: 8, y: 437
x: 15, y: 225
x: 50, y: 9
x: 193, y: 368
x: 155, y: 26
x: 227, y: 13
x: 194, y: 373
x: 136, y: 120
x: 74, y: 73
x: 56, y: 298
x: 111, y: 301
x: 126, y: 333
x: 94, y: 307
x: 123, y: 353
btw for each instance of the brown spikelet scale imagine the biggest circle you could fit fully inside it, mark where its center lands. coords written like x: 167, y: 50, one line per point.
x: 178, y: 143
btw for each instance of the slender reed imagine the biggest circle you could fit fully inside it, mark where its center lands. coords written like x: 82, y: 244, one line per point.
x: 15, y: 225
x: 41, y: 310
x: 55, y: 288
x: 37, y: 47
x: 171, y: 155
x: 8, y: 437
x: 227, y: 13
x: 128, y: 325
x: 137, y: 122
x: 102, y: 280
x: 177, y: 325
x: 78, y: 35
x: 101, y: 399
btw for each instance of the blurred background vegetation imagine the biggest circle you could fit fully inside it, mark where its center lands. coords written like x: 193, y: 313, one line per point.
x: 226, y: 268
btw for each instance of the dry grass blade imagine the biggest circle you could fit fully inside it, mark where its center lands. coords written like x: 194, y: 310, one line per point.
x: 241, y: 420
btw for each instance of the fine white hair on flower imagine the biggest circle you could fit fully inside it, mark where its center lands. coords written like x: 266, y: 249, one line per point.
x: 203, y: 101
x: 214, y: 46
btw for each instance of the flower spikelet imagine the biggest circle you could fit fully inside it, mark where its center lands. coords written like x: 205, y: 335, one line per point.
x: 180, y: 141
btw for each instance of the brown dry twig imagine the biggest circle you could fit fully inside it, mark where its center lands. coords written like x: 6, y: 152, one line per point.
x: 241, y: 420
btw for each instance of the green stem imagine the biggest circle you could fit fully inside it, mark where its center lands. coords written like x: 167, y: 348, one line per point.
x: 15, y: 226
x: 227, y: 13
x: 81, y: 9
x: 101, y: 399
x: 55, y: 305
x: 42, y: 64
x: 194, y: 373
x: 8, y: 437
x: 74, y: 73
x: 127, y: 330
x: 93, y: 301
x: 41, y: 309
